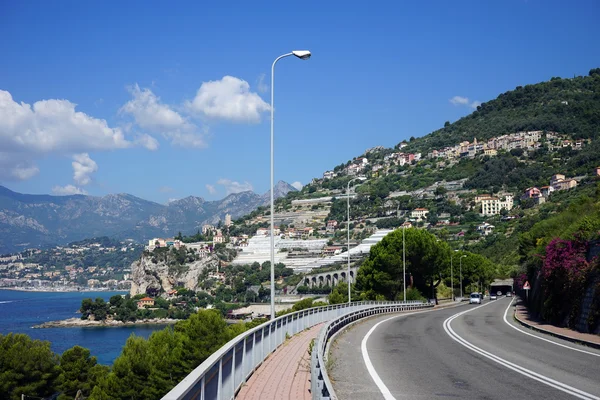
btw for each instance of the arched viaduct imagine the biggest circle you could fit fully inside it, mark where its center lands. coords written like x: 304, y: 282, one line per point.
x: 329, y: 278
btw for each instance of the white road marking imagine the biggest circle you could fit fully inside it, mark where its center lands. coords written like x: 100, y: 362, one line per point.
x: 387, y: 395
x: 517, y: 368
x: 544, y: 339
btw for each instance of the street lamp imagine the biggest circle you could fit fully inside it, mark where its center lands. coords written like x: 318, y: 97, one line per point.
x: 461, y: 292
x: 360, y: 178
x: 303, y: 55
x: 404, y: 261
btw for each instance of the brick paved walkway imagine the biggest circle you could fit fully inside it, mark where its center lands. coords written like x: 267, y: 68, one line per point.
x: 524, y: 318
x: 285, y: 374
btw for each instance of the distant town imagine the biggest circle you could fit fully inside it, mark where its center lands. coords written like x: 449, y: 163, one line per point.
x: 86, y: 265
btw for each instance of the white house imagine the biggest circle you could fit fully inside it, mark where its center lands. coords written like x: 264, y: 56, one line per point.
x: 328, y: 175
x: 485, y: 228
x: 419, y: 213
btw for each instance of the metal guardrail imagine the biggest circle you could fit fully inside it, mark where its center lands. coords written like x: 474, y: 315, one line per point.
x: 321, y: 387
x: 222, y: 374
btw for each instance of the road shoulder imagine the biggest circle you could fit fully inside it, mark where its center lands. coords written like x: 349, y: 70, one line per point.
x: 522, y: 316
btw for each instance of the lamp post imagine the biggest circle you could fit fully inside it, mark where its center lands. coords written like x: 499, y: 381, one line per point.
x: 303, y: 55
x: 360, y: 178
x: 461, y: 292
x: 452, y: 276
x: 404, y: 261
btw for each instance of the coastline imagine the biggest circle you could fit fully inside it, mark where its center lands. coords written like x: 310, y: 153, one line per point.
x: 63, y: 290
x: 84, y: 323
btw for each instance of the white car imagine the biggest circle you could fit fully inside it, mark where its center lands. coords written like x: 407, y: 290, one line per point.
x: 493, y: 296
x: 508, y: 294
x: 475, y: 298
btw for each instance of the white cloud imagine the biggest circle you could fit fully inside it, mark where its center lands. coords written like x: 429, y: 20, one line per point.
x: 234, y: 187
x: 188, y: 140
x: 149, y: 113
x: 14, y: 166
x: 30, y: 132
x: 298, y: 185
x: 459, y: 101
x: 53, y: 125
x: 211, y: 189
x: 261, y: 86
x: 23, y: 172
x: 464, y: 101
x: 67, y: 190
x: 83, y: 167
x: 229, y: 98
x: 147, y: 141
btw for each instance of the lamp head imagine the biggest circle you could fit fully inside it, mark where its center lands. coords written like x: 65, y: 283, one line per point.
x: 302, y: 54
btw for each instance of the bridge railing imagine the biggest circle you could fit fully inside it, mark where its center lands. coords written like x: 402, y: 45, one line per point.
x: 321, y: 387
x: 222, y: 374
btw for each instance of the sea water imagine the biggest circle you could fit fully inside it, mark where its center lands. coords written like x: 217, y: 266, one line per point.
x: 20, y: 311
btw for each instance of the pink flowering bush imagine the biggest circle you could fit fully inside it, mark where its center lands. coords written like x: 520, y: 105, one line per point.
x: 564, y: 272
x: 565, y: 258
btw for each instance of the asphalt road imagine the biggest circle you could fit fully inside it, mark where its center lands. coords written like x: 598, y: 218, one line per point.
x: 476, y: 355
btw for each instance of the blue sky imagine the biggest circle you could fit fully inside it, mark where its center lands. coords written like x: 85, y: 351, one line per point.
x: 164, y: 100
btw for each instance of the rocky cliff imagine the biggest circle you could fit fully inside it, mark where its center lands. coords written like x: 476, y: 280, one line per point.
x: 163, y: 270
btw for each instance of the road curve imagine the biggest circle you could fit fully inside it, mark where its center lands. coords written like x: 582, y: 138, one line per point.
x: 480, y: 357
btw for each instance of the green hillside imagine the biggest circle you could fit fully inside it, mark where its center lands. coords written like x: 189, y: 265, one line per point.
x: 569, y: 106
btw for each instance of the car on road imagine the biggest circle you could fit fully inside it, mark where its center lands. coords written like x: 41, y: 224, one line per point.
x: 508, y: 294
x: 493, y: 296
x: 475, y: 298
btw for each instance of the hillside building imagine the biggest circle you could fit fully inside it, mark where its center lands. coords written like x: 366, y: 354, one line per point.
x: 493, y: 205
x: 146, y: 301
x: 419, y: 213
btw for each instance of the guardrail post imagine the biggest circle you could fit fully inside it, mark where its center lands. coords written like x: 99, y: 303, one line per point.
x: 220, y: 380
x: 253, y: 353
x: 244, y: 358
x: 233, y: 371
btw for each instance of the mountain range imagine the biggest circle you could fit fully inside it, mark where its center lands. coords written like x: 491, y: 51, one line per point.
x: 28, y: 221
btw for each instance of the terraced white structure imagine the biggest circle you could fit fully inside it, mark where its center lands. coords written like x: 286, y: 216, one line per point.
x: 258, y: 250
